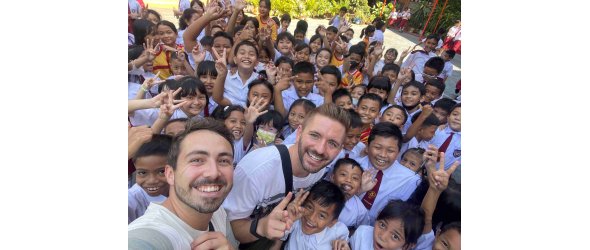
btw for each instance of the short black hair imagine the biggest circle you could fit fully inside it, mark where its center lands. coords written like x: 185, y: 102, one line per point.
x: 158, y: 145
x: 271, y: 116
x: 356, y: 49
x: 343, y: 9
x: 286, y: 17
x: 224, y: 35
x: 327, y: 193
x: 302, y: 26
x: 436, y: 63
x: 395, y: 106
x: 332, y: 70
x: 303, y: 67
x: 437, y: 83
x: 431, y: 120
x: 191, y: 85
x: 445, y: 103
x: 371, y: 96
x: 307, y: 105
x: 206, y: 68
x: 412, y: 217
x: 332, y: 29
x: 390, y: 66
x: 451, y: 53
x: 380, y: 82
x: 417, y: 85
x: 244, y: 43
x: 355, y: 119
x: 346, y: 161
x: 285, y: 35
x: 386, y: 130
x: 284, y: 59
x: 207, y: 41
x: 223, y: 112
x: 340, y: 93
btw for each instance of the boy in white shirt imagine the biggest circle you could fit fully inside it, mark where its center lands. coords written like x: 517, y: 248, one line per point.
x: 150, y: 181
x: 418, y: 58
x: 347, y: 176
x: 316, y: 223
x: 302, y: 85
x: 424, y: 125
x: 447, y: 56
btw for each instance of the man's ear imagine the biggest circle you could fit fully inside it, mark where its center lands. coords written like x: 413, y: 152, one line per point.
x: 169, y: 172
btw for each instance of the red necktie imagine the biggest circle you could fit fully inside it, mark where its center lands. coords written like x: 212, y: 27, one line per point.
x: 370, y: 196
x: 445, y: 145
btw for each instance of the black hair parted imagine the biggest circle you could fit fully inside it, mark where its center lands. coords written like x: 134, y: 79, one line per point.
x: 158, y: 145
x: 386, y: 130
x: 326, y: 194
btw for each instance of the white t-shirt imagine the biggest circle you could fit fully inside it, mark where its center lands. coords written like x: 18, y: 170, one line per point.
x: 159, y: 228
x: 362, y: 238
x: 322, y: 240
x: 377, y: 36
x: 138, y: 202
x: 354, y: 212
x: 259, y: 182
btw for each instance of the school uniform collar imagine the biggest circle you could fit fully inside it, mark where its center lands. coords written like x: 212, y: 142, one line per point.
x: 318, y: 237
x: 448, y: 131
x: 292, y: 89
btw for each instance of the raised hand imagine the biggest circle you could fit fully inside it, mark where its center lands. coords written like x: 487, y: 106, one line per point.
x: 322, y: 31
x: 405, y: 75
x: 340, y: 244
x: 427, y: 110
x: 149, y: 48
x: 368, y: 180
x: 379, y: 47
x: 255, y: 109
x: 170, y: 105
x: 198, y: 54
x: 221, y: 62
x: 211, y: 240
x: 214, y: 11
x: 284, y: 82
x: 137, y: 136
x: 295, y: 208
x: 406, y: 52
x: 271, y: 72
x: 277, y: 222
x: 324, y: 87
x: 343, y: 28
x: 150, y: 82
x: 239, y: 5
x: 438, y: 178
x: 264, y: 34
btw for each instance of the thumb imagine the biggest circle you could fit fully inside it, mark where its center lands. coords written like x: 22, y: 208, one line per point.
x: 283, y: 204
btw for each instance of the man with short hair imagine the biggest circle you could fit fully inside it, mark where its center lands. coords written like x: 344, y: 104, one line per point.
x: 200, y: 173
x: 261, y: 177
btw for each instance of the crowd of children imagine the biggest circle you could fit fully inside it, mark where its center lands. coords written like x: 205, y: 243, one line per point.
x: 395, y: 183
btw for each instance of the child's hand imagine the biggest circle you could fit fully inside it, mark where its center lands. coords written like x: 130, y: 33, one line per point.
x: 324, y: 86
x: 221, y: 62
x: 277, y: 222
x: 405, y: 75
x: 284, y: 82
x: 340, y: 244
x: 239, y: 5
x: 264, y: 34
x: 368, y: 180
x: 427, y: 110
x: 278, y: 141
x: 379, y: 47
x: 271, y: 73
x: 137, y: 136
x: 295, y: 208
x: 149, y: 48
x: 151, y: 82
x: 255, y: 109
x: 406, y: 52
x: 439, y: 179
x: 198, y: 54
x: 170, y: 105
x: 343, y: 27
x: 211, y: 240
x: 322, y: 31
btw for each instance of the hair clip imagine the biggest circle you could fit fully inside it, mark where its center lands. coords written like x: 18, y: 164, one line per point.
x: 225, y: 109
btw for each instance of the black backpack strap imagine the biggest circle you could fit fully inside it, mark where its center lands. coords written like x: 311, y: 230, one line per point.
x: 211, y: 228
x: 287, y: 170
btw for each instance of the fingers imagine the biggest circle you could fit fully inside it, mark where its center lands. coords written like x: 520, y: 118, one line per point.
x: 453, y: 167
x: 157, y: 75
x: 441, y: 166
x: 177, y: 91
x: 283, y: 204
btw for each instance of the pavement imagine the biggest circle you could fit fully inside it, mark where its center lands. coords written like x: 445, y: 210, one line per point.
x: 393, y: 39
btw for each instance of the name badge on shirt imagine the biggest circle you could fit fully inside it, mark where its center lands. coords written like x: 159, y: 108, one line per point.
x: 457, y: 153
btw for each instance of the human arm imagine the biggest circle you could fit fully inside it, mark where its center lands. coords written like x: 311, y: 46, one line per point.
x: 368, y: 180
x: 326, y: 88
x: 283, y: 83
x: 413, y: 130
x: 272, y: 226
x: 374, y: 58
x: 340, y: 244
x: 192, y: 31
x: 154, y: 102
x: 438, y: 181
x: 404, y: 77
x: 238, y: 6
x: 137, y: 136
x: 149, y: 53
x: 147, y: 85
x: 404, y: 54
x: 221, y: 67
x: 181, y: 54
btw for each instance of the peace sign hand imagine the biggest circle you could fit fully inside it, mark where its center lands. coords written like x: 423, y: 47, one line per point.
x: 150, y: 82
x: 198, y: 54
x: 438, y: 179
x: 295, y: 208
x: 221, y: 62
x: 277, y: 222
x: 149, y: 49
x: 170, y: 105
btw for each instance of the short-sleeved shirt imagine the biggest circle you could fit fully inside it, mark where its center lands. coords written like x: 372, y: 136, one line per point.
x: 138, y: 202
x: 418, y: 58
x: 322, y: 240
x: 159, y: 228
x: 362, y: 238
x: 453, y: 152
x: 259, y: 182
x: 398, y: 182
x: 235, y: 90
x: 354, y: 212
x: 183, y: 5
x: 290, y: 96
x: 447, y: 71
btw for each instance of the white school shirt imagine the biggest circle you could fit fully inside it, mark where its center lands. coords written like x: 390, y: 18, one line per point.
x: 235, y: 90
x: 413, y: 143
x: 259, y: 181
x: 290, y: 96
x: 336, y: 22
x: 322, y: 240
x: 378, y: 66
x: 453, y: 152
x: 159, y: 228
x: 354, y: 212
x: 377, y: 36
x: 409, y: 121
x: 438, y: 45
x: 419, y: 58
x: 183, y: 5
x: 356, y: 150
x: 149, y: 116
x: 362, y: 239
x: 239, y: 151
x: 447, y: 71
x: 130, y: 39
x: 425, y: 241
x: 398, y: 182
x: 259, y: 67
x: 138, y: 202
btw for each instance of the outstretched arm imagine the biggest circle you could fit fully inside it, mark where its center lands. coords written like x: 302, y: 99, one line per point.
x: 221, y: 67
x: 192, y: 31
x: 413, y: 130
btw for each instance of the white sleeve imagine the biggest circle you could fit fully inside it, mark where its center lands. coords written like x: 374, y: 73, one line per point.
x: 244, y: 197
x: 425, y: 241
